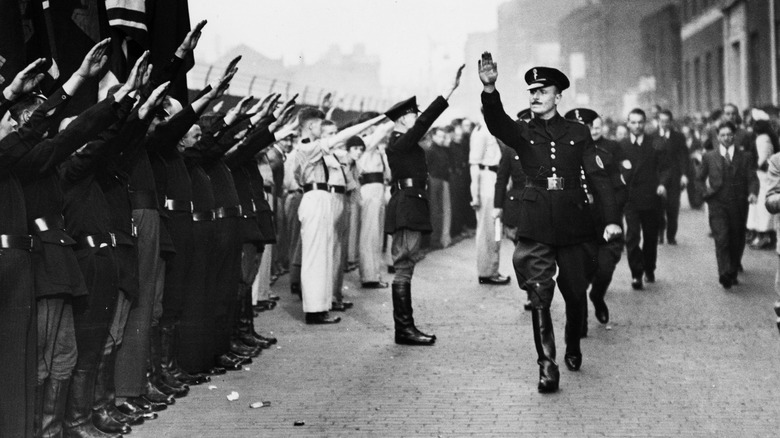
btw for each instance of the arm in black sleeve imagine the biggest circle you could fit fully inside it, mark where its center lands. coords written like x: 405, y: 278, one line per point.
x: 599, y: 180
x: 421, y: 126
x: 502, y: 177
x: 260, y: 139
x: 46, y: 155
x: 499, y: 123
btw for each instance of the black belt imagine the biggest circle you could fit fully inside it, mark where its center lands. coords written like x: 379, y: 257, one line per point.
x: 174, y: 205
x: 374, y: 177
x: 269, y: 190
x: 143, y: 200
x: 338, y: 189
x: 490, y: 168
x: 314, y: 186
x: 299, y: 191
x: 203, y: 216
x: 224, y: 212
x: 46, y: 223
x: 544, y: 184
x: 409, y: 183
x: 27, y: 243
x: 96, y: 241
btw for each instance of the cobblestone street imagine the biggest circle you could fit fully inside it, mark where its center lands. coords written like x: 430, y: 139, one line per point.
x: 684, y: 357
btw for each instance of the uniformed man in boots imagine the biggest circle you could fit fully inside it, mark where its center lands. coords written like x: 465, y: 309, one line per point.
x: 609, y: 252
x: 556, y: 230
x: 407, y: 215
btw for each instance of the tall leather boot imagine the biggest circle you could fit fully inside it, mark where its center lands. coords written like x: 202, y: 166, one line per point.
x: 584, y: 327
x: 544, y: 339
x: 405, y: 331
x: 158, y: 378
x: 55, y: 397
x: 104, y: 398
x: 170, y: 362
x: 572, y: 335
x: 78, y: 414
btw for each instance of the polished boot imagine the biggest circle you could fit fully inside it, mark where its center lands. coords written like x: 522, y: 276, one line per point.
x: 103, y: 397
x: 572, y: 335
x: 78, y: 413
x: 544, y: 339
x: 55, y: 397
x: 247, y: 326
x: 226, y: 363
x: 170, y: 363
x: 165, y: 355
x: 155, y: 396
x: 132, y: 409
x: 599, y: 306
x: 405, y: 331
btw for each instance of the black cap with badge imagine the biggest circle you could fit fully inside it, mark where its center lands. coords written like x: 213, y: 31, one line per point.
x: 540, y: 77
x: 402, y: 108
x: 583, y: 115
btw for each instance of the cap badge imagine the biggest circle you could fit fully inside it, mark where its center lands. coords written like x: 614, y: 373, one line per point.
x: 535, y: 74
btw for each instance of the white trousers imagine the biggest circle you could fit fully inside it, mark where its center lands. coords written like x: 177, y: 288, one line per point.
x: 372, y: 218
x: 261, y: 287
x: 487, y: 247
x: 340, y: 242
x: 317, y: 247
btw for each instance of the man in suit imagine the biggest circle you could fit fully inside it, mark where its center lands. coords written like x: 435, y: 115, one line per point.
x: 556, y: 231
x: 407, y: 215
x: 646, y: 186
x: 730, y: 176
x: 673, y: 144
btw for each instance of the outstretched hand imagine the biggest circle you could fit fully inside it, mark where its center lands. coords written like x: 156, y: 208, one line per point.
x: 488, y: 69
x: 237, y: 110
x: 191, y: 40
x: 278, y: 112
x: 264, y: 107
x: 457, y: 76
x: 95, y: 60
x: 153, y: 101
x: 25, y: 81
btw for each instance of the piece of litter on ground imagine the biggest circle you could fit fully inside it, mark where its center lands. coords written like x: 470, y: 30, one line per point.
x: 609, y: 327
x: 299, y: 423
x: 212, y: 387
x: 233, y: 396
x: 246, y: 368
x: 278, y: 347
x: 262, y: 404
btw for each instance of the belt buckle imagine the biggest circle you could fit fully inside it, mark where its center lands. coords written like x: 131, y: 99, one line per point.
x: 554, y: 183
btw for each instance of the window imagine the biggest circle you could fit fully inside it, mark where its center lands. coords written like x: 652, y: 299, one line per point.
x: 721, y: 78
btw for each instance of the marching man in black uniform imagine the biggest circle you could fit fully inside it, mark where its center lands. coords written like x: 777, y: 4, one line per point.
x: 556, y: 229
x: 609, y: 251
x: 407, y: 216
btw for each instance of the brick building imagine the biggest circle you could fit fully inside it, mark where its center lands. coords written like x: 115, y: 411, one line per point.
x: 729, y: 53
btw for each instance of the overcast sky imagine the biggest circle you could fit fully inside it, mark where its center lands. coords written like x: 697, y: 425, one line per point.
x: 403, y: 33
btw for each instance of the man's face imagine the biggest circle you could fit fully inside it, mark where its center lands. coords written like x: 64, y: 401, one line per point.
x: 314, y: 126
x: 726, y: 136
x: 636, y: 124
x: 664, y: 122
x: 328, y: 131
x: 7, y: 125
x: 730, y: 113
x: 190, y: 138
x: 408, y: 119
x: 621, y: 132
x: 468, y: 126
x: 596, y: 129
x: 438, y: 137
x: 544, y: 100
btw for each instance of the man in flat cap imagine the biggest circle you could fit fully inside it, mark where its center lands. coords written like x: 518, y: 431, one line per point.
x: 609, y: 251
x: 407, y: 215
x: 556, y: 230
